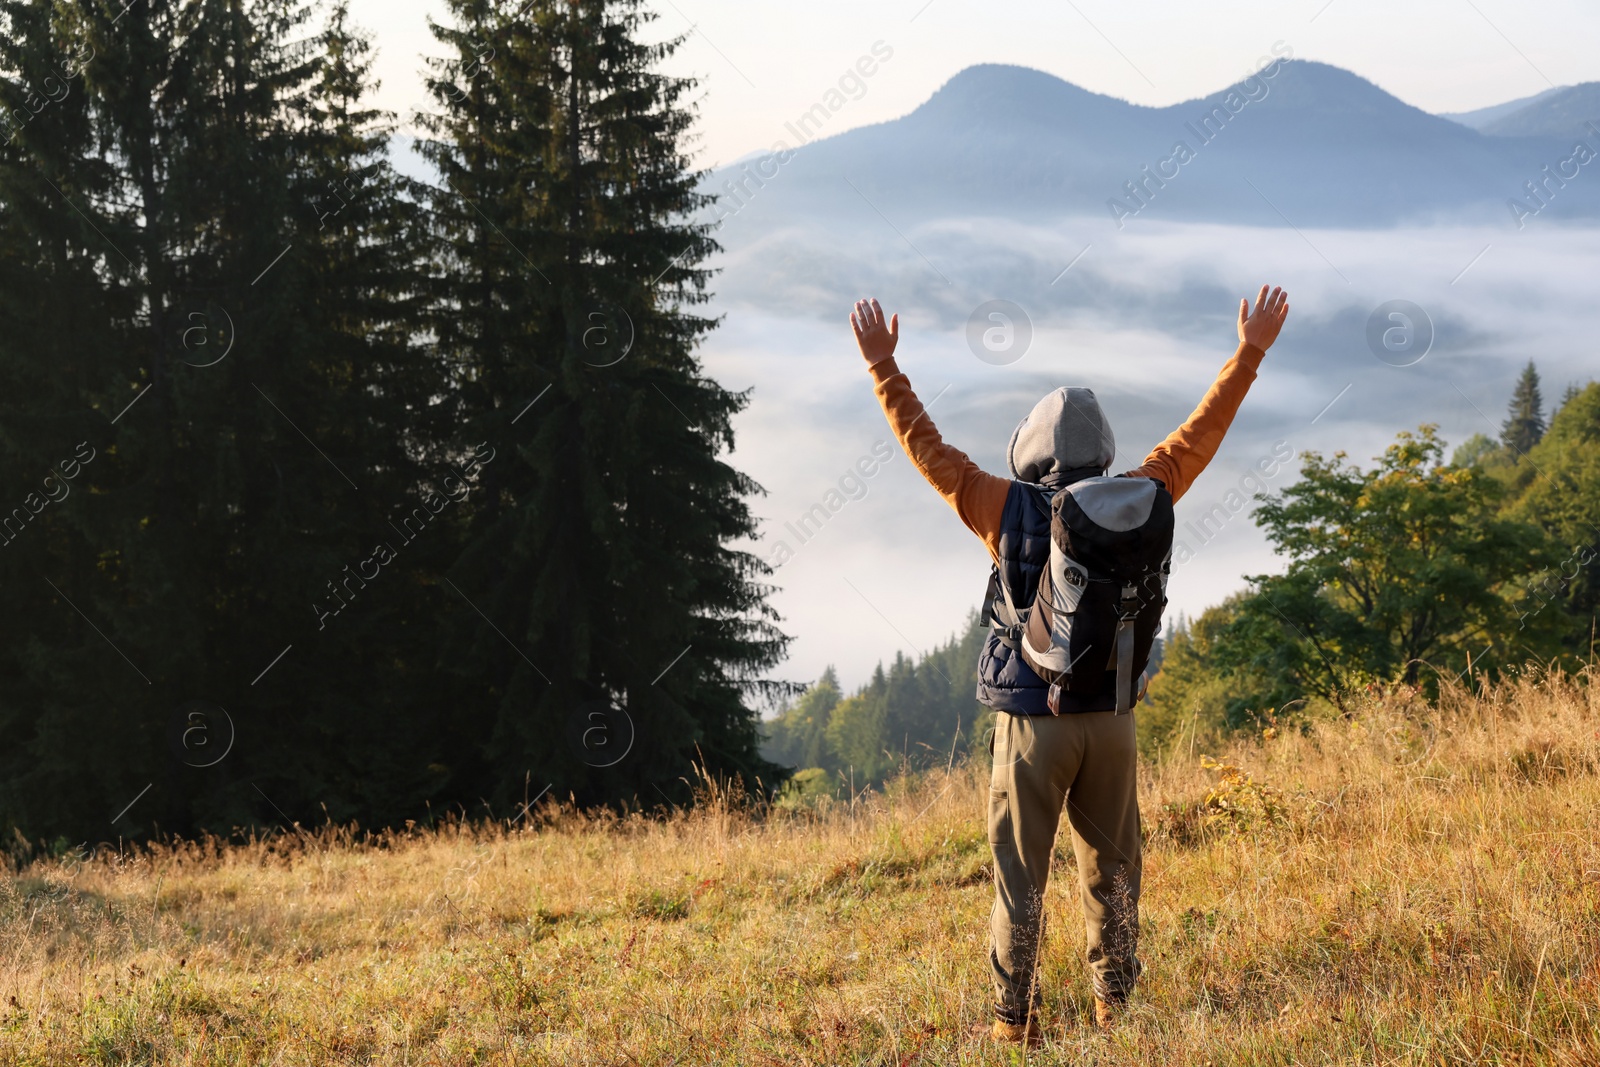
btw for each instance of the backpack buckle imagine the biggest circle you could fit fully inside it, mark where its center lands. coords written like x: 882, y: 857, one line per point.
x: 1010, y: 636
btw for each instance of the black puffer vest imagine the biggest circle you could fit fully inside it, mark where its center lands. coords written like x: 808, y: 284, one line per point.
x: 1005, y: 682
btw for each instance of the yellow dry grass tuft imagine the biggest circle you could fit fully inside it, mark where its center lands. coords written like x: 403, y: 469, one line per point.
x: 1412, y: 885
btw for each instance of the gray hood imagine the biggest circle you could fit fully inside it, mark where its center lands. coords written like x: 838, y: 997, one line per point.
x: 1066, y: 431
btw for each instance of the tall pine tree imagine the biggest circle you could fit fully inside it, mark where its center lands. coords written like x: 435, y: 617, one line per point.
x: 1524, y: 425
x: 599, y: 608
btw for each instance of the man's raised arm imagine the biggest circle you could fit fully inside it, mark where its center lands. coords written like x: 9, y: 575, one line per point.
x: 978, y: 497
x: 1178, y: 461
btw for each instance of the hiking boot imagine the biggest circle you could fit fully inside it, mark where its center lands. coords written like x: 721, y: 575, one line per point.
x: 1011, y: 1033
x: 1108, y: 1012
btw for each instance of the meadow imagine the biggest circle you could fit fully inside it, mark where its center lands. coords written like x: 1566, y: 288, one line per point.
x: 1414, y: 883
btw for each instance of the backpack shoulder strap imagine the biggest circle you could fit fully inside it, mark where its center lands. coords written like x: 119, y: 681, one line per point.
x: 1000, y: 611
x: 1127, y: 612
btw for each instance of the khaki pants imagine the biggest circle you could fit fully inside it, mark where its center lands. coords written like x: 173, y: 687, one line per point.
x: 1089, y: 762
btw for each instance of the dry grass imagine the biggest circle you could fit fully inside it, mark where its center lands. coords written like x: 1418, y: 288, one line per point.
x: 1417, y: 885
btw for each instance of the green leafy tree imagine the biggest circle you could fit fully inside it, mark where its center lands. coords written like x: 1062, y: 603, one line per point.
x: 1479, y: 450
x: 1524, y: 424
x: 799, y: 736
x: 858, y: 732
x: 599, y: 556
x: 1389, y: 569
x: 1194, y: 700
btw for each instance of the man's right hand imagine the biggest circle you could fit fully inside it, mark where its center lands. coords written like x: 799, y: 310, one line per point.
x: 1260, y: 327
x: 877, y: 340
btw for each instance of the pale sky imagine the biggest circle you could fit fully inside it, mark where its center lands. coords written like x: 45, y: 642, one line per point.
x: 764, y: 62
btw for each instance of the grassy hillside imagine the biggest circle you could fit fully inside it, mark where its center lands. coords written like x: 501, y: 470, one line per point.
x: 1414, y: 885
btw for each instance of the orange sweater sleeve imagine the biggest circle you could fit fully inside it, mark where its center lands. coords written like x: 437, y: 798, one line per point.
x: 978, y: 498
x: 1178, y: 461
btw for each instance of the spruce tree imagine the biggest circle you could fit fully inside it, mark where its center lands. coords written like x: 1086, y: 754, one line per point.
x: 194, y: 287
x: 1565, y: 502
x: 1524, y: 425
x: 598, y: 607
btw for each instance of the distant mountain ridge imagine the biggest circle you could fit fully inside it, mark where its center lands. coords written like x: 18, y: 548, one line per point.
x: 1302, y: 143
x: 1565, y: 113
x: 1485, y: 116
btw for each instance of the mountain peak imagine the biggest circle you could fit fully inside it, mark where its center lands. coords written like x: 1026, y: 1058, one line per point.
x: 1309, y: 84
x: 986, y: 90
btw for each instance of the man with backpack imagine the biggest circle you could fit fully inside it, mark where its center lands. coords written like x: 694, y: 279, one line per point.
x: 1074, y: 602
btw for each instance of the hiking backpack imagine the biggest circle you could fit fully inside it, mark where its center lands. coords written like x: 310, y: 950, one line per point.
x: 1100, y: 597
